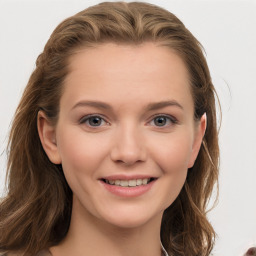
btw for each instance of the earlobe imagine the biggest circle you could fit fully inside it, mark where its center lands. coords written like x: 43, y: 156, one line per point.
x: 47, y: 134
x: 198, y: 138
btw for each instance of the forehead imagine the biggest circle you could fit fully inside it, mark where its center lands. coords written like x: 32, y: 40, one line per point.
x: 146, y: 57
x: 122, y: 73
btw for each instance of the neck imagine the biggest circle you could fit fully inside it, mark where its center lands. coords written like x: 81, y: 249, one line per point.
x: 88, y: 235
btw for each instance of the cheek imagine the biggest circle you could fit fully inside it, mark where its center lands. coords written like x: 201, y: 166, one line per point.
x: 81, y: 153
x: 173, y: 153
x: 172, y: 157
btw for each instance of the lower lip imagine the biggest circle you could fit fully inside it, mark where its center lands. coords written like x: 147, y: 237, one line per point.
x: 128, y: 191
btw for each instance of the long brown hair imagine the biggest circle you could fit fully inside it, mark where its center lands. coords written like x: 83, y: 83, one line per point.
x: 36, y: 212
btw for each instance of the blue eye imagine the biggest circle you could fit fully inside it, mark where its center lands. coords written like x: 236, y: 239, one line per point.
x: 93, y: 121
x: 98, y: 121
x: 162, y: 121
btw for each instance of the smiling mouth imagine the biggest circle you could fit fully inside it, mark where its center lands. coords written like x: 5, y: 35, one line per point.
x: 129, y: 183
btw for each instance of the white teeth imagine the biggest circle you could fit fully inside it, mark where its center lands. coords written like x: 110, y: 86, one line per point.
x: 144, y: 181
x: 117, y: 182
x: 139, y: 182
x: 132, y: 183
x: 124, y: 183
x: 128, y: 183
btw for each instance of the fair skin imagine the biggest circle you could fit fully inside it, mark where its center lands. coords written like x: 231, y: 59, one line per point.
x: 128, y: 139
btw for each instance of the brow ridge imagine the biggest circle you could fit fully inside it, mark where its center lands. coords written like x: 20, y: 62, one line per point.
x: 150, y: 107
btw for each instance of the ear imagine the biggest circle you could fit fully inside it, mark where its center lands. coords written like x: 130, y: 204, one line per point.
x: 198, y: 138
x: 47, y: 134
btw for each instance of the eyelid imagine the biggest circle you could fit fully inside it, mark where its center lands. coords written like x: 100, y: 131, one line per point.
x: 86, y: 117
x: 170, y: 117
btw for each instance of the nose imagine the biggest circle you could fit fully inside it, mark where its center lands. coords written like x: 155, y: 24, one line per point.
x: 128, y: 146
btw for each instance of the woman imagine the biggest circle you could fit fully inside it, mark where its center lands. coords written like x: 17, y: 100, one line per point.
x: 114, y: 145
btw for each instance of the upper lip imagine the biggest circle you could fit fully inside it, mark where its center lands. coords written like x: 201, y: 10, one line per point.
x: 127, y: 177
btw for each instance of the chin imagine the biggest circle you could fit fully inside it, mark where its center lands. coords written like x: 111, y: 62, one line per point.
x: 135, y: 218
x: 130, y: 223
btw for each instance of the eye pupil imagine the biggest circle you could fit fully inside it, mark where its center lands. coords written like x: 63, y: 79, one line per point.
x: 160, y: 121
x: 95, y: 121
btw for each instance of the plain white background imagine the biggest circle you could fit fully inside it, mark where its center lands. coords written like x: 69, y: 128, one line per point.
x: 226, y: 29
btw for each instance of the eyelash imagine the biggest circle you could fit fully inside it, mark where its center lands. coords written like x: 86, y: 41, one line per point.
x: 171, y: 119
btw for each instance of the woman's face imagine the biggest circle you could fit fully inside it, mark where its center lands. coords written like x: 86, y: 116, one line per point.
x: 126, y: 134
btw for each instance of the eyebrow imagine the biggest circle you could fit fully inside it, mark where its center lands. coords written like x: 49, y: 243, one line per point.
x: 149, y: 107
